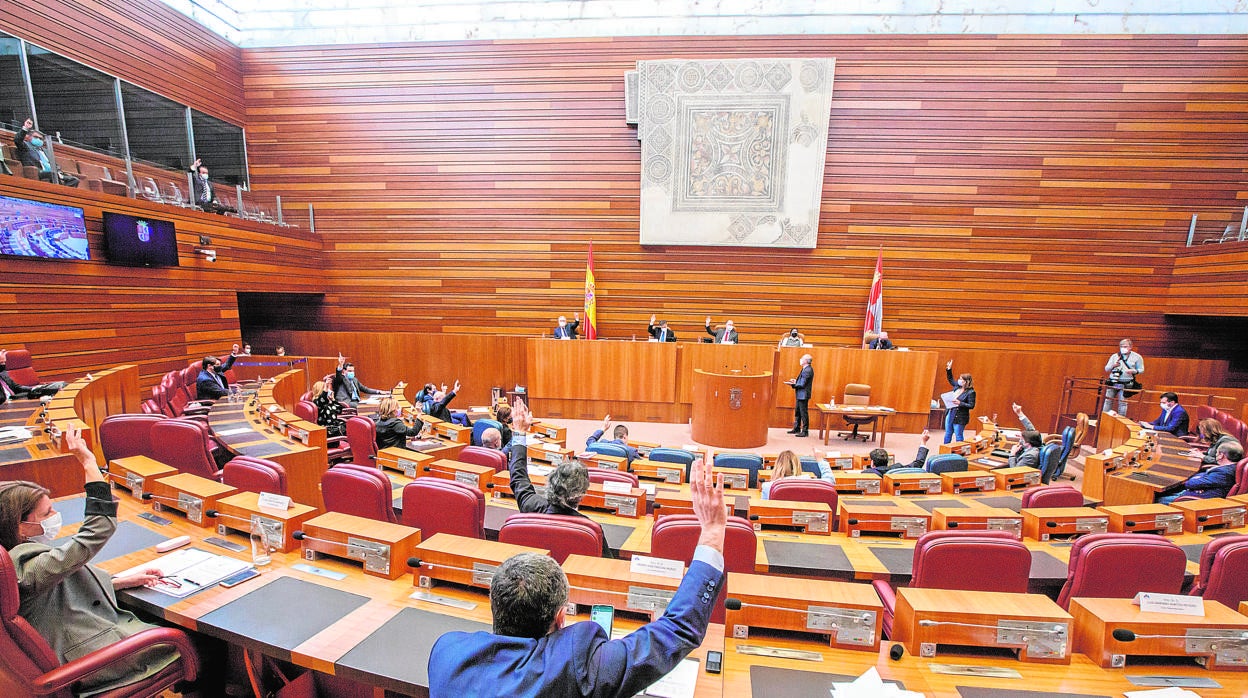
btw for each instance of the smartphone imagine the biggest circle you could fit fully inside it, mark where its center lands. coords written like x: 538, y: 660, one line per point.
x: 603, y: 616
x: 239, y: 577
x: 714, y: 662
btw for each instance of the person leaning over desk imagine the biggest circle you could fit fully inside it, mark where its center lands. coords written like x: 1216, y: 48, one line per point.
x: 531, y: 652
x: 1211, y: 432
x: 68, y: 601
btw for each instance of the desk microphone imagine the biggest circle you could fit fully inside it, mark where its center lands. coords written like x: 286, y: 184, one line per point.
x: 214, y: 514
x: 1055, y: 630
x: 149, y: 496
x: 300, y: 535
x: 896, y: 652
x: 852, y: 614
x: 1125, y: 635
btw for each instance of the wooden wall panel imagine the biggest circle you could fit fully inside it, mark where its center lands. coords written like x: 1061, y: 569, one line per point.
x: 1210, y: 280
x: 76, y: 317
x: 1027, y: 192
x: 144, y: 42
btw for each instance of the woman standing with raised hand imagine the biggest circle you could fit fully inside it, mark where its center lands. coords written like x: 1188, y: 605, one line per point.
x: 959, y: 414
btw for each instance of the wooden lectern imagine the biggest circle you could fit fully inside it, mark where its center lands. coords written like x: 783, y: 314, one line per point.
x: 730, y: 410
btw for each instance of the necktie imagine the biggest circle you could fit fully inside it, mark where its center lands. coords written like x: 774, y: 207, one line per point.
x: 8, y: 392
x: 355, y: 393
x: 662, y: 335
x: 44, y: 163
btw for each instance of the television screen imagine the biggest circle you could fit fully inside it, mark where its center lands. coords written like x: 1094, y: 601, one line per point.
x: 144, y: 242
x: 38, y: 229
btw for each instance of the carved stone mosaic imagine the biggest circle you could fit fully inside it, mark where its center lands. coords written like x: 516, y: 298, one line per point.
x: 732, y: 150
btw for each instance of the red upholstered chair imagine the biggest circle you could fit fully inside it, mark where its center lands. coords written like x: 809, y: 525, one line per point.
x: 125, y: 435
x: 1049, y: 496
x: 486, y: 457
x: 560, y: 534
x: 801, y: 489
x: 1120, y: 565
x: 150, y: 406
x: 444, y: 506
x: 29, y: 666
x: 337, y: 447
x: 362, y: 436
x: 20, y: 368
x: 1224, y: 571
x: 183, y: 444
x: 676, y: 536
x: 962, y: 560
x: 1241, y: 479
x: 601, y: 475
x: 358, y: 490
x: 255, y: 475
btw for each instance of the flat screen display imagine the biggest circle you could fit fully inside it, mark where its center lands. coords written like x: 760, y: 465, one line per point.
x: 139, y: 241
x: 37, y: 229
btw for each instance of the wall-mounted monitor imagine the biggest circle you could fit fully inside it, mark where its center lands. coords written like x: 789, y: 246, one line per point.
x: 140, y: 241
x: 38, y: 229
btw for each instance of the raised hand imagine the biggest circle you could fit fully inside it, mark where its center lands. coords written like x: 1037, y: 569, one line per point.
x: 606, y: 423
x: 924, y: 437
x: 708, y: 319
x: 708, y: 505
x: 652, y: 318
x: 521, y: 418
x: 949, y: 366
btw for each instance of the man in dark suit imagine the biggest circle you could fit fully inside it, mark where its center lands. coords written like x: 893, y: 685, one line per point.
x: 724, y: 335
x: 29, y: 145
x: 205, y: 196
x: 439, y: 407
x: 882, y: 342
x: 1173, y: 417
x: 530, y: 653
x: 565, y: 329
x: 10, y: 388
x: 801, y: 390
x: 347, y: 388
x: 619, y: 437
x: 661, y: 331
x: 211, y: 383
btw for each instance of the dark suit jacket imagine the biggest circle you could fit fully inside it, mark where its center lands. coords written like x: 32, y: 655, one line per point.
x: 656, y: 330
x: 18, y: 390
x: 27, y: 153
x: 206, y: 385
x: 204, y: 191
x: 571, y: 330
x: 1214, y: 482
x: 961, y: 413
x: 881, y: 344
x: 527, y: 498
x: 805, y: 379
x: 578, y: 660
x: 920, y: 460
x: 394, y: 432
x: 342, y: 388
x: 719, y: 334
x: 440, y: 410
x: 1176, y: 424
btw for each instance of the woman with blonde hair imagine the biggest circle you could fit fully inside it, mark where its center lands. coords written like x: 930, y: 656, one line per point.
x: 787, y: 465
x: 328, y: 410
x: 1213, y: 433
x: 391, y: 429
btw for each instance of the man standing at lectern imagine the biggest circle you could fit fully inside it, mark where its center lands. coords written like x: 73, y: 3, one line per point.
x: 724, y: 335
x: 801, y: 387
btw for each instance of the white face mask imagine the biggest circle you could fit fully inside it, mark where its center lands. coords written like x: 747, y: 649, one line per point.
x: 728, y: 327
x: 51, y: 529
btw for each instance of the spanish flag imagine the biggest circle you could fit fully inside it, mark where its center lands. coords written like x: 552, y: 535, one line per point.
x: 875, y: 302
x: 591, y: 298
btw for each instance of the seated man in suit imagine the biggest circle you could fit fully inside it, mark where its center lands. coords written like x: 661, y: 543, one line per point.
x: 530, y: 653
x: 10, y: 388
x: 879, y: 461
x: 29, y: 145
x: 619, y: 436
x: 211, y: 383
x: 1026, y: 453
x: 348, y: 388
x: 661, y: 331
x: 566, y: 330
x: 1216, y: 481
x: 439, y: 407
x: 565, y: 486
x: 1173, y: 417
x: 492, y: 439
x: 723, y: 335
x: 881, y: 342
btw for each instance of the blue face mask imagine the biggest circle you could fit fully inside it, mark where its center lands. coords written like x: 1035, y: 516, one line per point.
x: 37, y: 142
x: 350, y: 374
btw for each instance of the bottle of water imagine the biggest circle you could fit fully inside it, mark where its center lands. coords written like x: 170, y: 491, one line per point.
x: 259, y: 545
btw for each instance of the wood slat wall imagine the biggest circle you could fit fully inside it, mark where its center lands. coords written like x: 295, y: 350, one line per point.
x: 76, y: 317
x: 1210, y: 280
x: 144, y: 42
x: 1029, y: 193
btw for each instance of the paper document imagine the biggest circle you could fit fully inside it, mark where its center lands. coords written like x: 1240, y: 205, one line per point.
x: 679, y: 683
x: 232, y: 432
x: 188, y: 570
x: 948, y: 398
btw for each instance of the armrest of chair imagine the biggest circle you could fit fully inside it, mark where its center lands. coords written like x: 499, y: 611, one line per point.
x: 64, y: 676
x: 886, y: 593
x: 335, y: 441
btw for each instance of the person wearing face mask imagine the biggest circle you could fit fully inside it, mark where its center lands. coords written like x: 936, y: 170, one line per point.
x: 1173, y: 418
x: 959, y: 414
x: 566, y: 330
x: 1213, y: 482
x: 29, y: 145
x: 205, y: 197
x: 211, y: 384
x: 660, y: 332
x: 1123, y: 368
x: 723, y: 335
x: 801, y: 391
x: 347, y: 388
x: 792, y: 339
x: 69, y: 602
x: 881, y: 342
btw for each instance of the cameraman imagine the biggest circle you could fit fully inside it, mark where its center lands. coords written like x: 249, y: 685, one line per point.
x: 1123, y: 369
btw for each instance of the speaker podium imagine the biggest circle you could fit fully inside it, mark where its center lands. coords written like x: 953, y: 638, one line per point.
x: 730, y: 408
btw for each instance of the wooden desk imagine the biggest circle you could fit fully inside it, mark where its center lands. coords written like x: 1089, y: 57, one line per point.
x: 896, y: 516
x: 879, y: 412
x: 1031, y: 623
x: 1097, y: 619
x: 849, y: 615
x: 1144, y: 518
x: 730, y: 409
